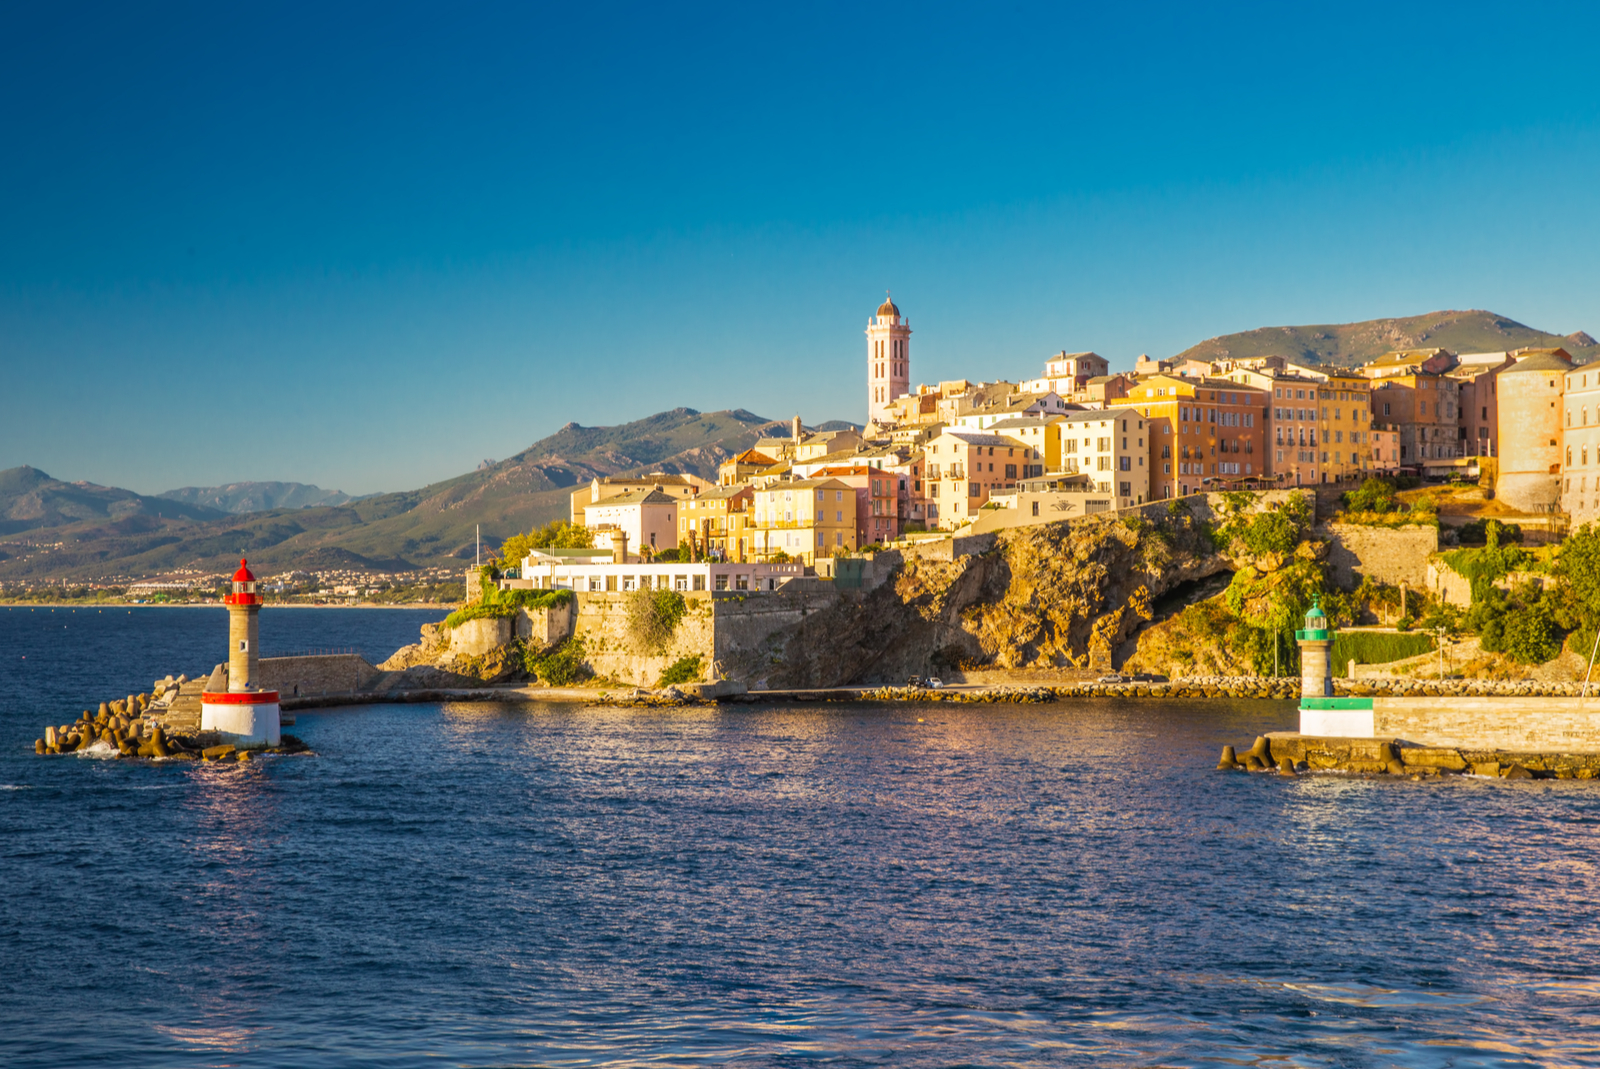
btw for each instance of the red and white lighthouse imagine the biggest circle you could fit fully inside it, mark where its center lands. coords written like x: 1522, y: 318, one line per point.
x: 245, y: 714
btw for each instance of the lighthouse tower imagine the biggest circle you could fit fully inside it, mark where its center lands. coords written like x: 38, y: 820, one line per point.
x: 245, y: 714
x: 888, y: 359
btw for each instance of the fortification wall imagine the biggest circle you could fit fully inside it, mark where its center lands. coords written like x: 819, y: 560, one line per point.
x: 322, y: 674
x: 730, y: 632
x: 1387, y: 554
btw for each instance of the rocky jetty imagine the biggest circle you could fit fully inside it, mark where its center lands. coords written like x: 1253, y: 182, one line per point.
x: 150, y: 725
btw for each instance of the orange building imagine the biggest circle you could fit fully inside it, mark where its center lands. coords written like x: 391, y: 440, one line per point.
x: 1205, y: 434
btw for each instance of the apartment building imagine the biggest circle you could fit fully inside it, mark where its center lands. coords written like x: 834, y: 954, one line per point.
x: 717, y: 522
x: 1204, y: 433
x: 677, y: 487
x: 1425, y: 407
x: 1067, y: 373
x: 648, y: 517
x: 963, y: 468
x: 1477, y: 377
x: 804, y: 519
x: 1293, y: 421
x: 1344, y: 421
x: 1039, y: 437
x: 880, y: 500
x: 1110, y: 447
x: 1024, y: 406
x: 1580, y: 483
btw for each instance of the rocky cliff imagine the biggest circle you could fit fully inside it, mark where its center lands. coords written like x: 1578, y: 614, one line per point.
x: 1057, y: 596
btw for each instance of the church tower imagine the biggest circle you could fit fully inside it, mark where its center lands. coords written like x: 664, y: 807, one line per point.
x: 888, y: 359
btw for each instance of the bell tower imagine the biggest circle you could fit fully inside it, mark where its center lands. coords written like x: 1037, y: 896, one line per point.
x: 888, y: 359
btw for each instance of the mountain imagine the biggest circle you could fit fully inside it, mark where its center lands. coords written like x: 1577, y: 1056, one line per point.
x: 258, y: 497
x: 1352, y: 344
x: 30, y: 500
x: 429, y: 527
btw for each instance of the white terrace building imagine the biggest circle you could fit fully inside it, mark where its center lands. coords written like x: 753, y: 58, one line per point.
x: 595, y: 571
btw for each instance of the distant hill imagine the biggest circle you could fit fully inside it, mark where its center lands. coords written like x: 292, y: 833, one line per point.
x: 1352, y: 344
x: 30, y: 500
x: 258, y: 496
x: 431, y: 526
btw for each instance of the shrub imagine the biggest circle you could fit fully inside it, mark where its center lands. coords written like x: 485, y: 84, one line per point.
x: 683, y: 670
x: 1481, y: 532
x: 1578, y: 568
x: 653, y: 617
x: 1375, y: 495
x: 559, y: 666
x: 500, y: 603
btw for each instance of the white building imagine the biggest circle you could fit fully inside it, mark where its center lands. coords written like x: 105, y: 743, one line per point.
x: 647, y: 517
x: 544, y: 572
x: 1109, y: 447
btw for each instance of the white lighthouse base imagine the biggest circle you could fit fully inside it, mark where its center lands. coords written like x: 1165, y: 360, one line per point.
x: 243, y: 719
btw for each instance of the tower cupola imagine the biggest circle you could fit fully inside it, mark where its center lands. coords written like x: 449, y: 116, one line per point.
x: 888, y: 359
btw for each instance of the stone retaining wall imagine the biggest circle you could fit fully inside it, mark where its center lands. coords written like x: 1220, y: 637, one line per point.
x: 323, y: 674
x: 1387, y: 554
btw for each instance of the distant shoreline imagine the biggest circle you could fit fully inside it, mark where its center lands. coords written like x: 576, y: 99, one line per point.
x: 421, y: 606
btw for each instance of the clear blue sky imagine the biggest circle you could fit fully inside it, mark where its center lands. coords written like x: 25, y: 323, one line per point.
x: 367, y: 247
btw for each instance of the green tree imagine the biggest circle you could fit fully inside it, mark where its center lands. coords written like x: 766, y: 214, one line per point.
x: 1578, y: 569
x: 557, y: 534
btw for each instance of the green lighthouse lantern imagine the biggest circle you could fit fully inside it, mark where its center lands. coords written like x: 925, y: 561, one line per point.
x: 1316, y: 628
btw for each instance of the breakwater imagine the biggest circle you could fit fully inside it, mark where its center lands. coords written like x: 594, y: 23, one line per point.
x: 163, y: 722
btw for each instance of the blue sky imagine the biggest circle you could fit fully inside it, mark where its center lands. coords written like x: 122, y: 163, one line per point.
x: 368, y: 246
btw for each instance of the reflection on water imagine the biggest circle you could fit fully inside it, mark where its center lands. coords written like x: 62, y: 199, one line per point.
x: 515, y: 885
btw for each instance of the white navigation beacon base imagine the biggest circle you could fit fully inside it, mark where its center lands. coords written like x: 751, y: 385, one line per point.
x: 1342, y: 718
x: 242, y: 718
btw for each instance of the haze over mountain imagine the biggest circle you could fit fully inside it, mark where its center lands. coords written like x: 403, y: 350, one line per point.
x: 258, y: 496
x: 1352, y: 344
x: 31, y: 499
x: 431, y: 526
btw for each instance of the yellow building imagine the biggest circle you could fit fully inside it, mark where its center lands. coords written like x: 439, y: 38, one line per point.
x: 717, y: 522
x: 804, y: 519
x: 1345, y: 422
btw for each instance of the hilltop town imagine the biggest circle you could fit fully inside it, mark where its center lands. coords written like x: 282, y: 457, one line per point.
x: 972, y: 456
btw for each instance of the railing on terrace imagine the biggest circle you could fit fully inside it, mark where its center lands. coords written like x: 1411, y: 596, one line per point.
x: 319, y: 651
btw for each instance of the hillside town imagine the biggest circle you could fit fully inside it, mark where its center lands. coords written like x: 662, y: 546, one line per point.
x: 970, y: 456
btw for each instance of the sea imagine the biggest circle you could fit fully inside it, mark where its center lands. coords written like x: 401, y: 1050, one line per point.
x: 527, y: 884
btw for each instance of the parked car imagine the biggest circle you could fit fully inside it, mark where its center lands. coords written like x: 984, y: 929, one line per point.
x: 936, y: 683
x: 1114, y: 679
x: 917, y: 682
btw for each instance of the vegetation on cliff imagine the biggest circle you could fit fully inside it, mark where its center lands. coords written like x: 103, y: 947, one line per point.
x: 653, y: 618
x: 1278, y: 571
x: 497, y: 603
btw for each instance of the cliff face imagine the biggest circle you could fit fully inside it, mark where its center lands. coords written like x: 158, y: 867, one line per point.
x: 1056, y: 596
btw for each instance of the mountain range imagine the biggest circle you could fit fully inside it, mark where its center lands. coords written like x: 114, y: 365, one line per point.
x: 1353, y: 344
x: 76, y: 531
x: 258, y: 496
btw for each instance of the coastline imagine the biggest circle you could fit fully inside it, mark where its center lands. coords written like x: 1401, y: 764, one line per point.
x: 431, y: 606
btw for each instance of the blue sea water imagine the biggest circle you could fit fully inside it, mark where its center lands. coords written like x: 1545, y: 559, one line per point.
x: 555, y: 885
